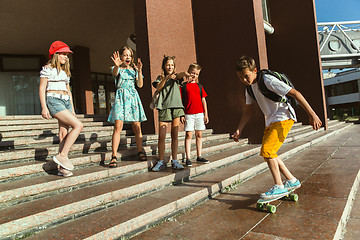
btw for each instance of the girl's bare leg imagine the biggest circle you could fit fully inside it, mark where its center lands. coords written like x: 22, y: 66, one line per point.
x: 174, y: 137
x: 138, y: 135
x: 116, y: 136
x: 67, y: 118
x: 63, y: 131
x: 161, y: 140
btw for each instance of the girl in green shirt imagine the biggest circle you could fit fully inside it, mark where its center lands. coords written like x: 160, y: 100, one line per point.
x: 170, y: 109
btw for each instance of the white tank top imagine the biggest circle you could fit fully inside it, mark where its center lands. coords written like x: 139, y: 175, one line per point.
x: 56, y: 80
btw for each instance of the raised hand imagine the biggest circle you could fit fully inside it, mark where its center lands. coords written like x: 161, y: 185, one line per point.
x: 139, y: 65
x: 116, y: 59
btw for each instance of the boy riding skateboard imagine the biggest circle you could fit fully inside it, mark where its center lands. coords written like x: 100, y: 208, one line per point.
x: 280, y: 116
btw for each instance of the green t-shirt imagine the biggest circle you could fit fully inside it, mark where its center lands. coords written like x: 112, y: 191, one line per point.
x: 169, y: 95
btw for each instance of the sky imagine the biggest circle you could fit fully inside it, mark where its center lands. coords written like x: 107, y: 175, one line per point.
x: 337, y: 10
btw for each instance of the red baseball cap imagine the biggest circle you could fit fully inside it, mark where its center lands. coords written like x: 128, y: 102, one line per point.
x: 58, y: 46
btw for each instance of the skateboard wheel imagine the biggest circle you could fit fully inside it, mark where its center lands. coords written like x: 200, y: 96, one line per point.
x: 294, y: 197
x: 259, y: 206
x: 271, y: 208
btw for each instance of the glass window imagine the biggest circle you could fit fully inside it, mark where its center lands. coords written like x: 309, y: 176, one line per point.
x: 19, y: 85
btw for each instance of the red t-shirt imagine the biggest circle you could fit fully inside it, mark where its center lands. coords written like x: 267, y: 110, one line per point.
x: 193, y: 103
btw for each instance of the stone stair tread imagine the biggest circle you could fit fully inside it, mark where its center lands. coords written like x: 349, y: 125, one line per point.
x: 96, y: 189
x: 45, y: 179
x: 256, y: 157
x: 157, y: 199
x: 237, y: 211
x: 44, y: 121
x: 45, y: 186
x: 49, y: 149
x: 24, y: 142
x: 133, y: 210
x: 48, y: 203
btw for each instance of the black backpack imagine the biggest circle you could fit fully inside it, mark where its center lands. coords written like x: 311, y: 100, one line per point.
x: 183, y: 92
x: 269, y: 94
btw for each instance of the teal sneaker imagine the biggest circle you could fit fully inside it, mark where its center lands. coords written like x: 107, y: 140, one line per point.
x: 274, y: 192
x: 160, y: 165
x: 176, y: 165
x: 292, y: 186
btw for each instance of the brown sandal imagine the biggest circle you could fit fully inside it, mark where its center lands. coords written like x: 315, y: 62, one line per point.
x: 142, y: 156
x: 113, y: 163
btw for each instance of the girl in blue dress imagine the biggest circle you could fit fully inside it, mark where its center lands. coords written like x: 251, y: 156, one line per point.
x: 127, y: 107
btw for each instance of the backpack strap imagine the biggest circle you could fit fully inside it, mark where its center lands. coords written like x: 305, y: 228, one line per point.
x: 265, y: 91
x: 271, y: 95
x: 183, y: 93
x: 201, y: 92
x: 249, y: 88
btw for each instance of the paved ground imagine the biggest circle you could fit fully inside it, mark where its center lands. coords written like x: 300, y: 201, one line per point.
x: 327, y: 172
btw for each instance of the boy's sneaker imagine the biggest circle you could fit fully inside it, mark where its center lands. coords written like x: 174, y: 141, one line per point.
x: 274, y: 192
x: 176, y: 165
x: 202, y: 160
x: 188, y: 162
x: 160, y: 165
x: 292, y: 186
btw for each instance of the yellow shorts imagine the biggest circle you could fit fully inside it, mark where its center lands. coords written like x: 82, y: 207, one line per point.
x: 274, y: 137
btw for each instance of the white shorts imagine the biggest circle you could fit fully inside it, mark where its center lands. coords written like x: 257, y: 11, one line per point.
x: 194, y: 122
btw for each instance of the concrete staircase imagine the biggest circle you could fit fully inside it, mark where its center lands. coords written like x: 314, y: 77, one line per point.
x: 103, y: 203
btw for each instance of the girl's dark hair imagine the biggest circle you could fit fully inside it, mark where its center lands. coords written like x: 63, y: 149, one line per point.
x: 165, y: 59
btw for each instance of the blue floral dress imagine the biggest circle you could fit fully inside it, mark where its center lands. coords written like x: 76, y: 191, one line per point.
x: 127, y: 106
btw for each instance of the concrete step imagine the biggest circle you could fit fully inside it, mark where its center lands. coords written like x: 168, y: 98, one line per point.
x: 39, y: 117
x: 112, y: 193
x: 48, y: 126
x: 17, y: 189
x: 124, y: 220
x: 126, y: 150
x: 129, y: 222
x: 39, y: 120
x: 47, y: 151
x: 327, y: 175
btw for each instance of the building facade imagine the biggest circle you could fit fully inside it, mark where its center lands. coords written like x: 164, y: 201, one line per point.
x: 214, y: 34
x: 342, y: 93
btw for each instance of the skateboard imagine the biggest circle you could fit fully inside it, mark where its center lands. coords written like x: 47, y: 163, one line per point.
x: 265, y: 205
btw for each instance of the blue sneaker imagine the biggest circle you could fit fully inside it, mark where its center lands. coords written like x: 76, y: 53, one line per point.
x: 274, y: 192
x: 159, y: 166
x: 176, y: 165
x: 292, y: 186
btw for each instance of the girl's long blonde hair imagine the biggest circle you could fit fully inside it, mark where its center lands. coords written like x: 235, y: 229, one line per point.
x: 55, y: 63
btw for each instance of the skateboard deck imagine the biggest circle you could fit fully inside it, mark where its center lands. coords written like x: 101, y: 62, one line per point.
x: 264, y: 204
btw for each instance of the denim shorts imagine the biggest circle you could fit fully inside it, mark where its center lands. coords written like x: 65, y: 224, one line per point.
x: 56, y: 105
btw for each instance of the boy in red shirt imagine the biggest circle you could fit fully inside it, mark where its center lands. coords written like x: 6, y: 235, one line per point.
x: 196, y: 113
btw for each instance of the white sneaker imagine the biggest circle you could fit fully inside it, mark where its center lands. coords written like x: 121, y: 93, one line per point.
x: 65, y: 173
x: 63, y: 162
x: 176, y: 165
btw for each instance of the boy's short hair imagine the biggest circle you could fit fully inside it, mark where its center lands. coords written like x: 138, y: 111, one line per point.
x: 245, y: 62
x: 194, y: 65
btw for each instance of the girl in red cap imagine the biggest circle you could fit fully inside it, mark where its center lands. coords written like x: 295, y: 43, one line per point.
x: 56, y: 100
x: 127, y: 107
